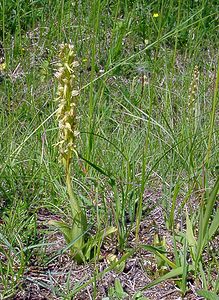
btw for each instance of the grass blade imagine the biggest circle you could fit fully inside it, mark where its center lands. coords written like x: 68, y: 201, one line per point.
x: 173, y: 273
x: 208, y: 295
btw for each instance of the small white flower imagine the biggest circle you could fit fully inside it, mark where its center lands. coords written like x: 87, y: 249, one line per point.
x: 75, y: 93
x: 76, y: 133
x: 68, y: 126
x: 75, y: 64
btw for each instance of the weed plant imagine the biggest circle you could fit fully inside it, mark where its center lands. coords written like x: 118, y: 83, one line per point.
x: 148, y: 106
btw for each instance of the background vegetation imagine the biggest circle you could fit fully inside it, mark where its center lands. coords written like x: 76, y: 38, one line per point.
x: 148, y: 119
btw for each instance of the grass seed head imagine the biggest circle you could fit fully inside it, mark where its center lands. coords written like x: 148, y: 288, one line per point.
x: 193, y: 90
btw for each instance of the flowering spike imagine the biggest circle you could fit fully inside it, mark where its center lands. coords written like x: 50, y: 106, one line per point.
x: 67, y: 97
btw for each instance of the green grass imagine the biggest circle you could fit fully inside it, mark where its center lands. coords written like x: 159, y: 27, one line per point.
x: 132, y: 136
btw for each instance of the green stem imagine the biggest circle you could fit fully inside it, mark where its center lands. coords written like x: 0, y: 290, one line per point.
x: 75, y: 208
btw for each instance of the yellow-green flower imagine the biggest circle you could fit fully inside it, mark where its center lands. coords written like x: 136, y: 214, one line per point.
x: 155, y: 15
x: 2, y: 66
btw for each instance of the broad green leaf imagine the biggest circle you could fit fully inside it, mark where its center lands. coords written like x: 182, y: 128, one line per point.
x: 190, y: 236
x: 63, y: 227
x: 119, y: 289
x: 73, y: 236
x: 189, y: 232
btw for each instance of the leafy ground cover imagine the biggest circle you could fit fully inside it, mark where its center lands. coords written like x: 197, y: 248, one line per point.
x: 146, y: 170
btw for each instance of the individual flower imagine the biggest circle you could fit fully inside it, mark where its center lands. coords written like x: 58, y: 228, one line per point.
x: 155, y: 15
x: 2, y: 66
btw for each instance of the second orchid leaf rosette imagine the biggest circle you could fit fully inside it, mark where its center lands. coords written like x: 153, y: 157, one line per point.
x: 67, y: 96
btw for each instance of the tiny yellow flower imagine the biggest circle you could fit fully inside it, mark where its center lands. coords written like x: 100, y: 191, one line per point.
x: 2, y: 66
x: 155, y: 15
